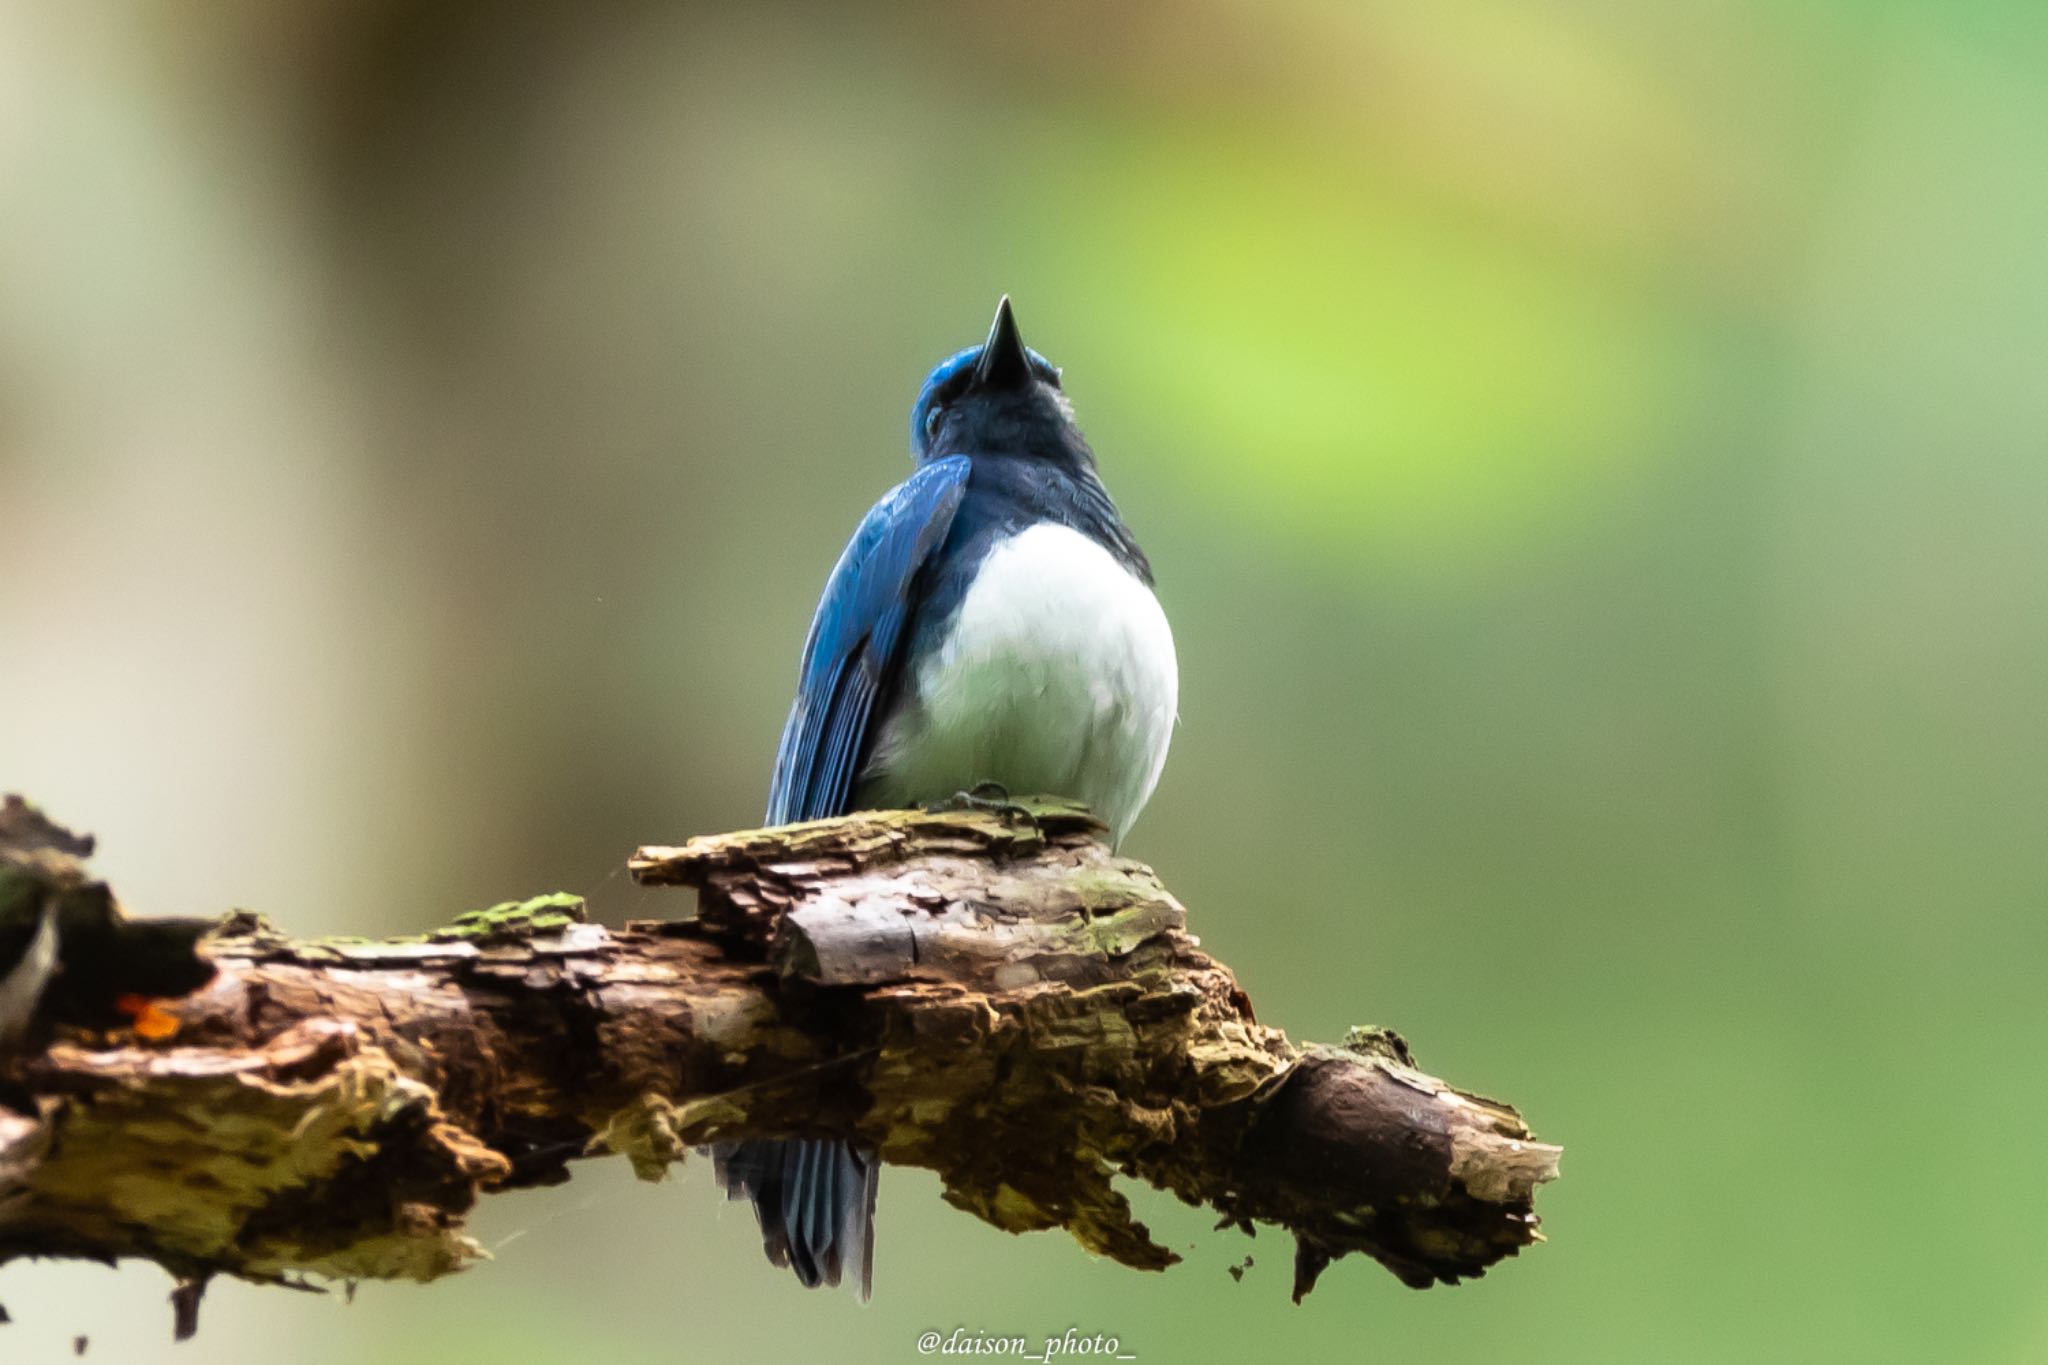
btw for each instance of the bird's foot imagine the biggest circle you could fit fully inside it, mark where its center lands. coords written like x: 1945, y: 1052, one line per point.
x: 992, y: 797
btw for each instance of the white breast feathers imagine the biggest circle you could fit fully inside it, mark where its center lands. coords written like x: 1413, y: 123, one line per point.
x: 1057, y: 676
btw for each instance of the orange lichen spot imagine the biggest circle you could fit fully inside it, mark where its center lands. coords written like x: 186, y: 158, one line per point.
x: 151, y: 1021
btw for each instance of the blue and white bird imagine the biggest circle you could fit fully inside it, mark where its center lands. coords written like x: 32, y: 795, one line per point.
x: 992, y: 621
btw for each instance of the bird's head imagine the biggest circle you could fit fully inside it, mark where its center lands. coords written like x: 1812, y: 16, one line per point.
x: 998, y: 398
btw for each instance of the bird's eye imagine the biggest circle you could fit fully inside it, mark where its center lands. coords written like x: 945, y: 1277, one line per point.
x: 931, y: 421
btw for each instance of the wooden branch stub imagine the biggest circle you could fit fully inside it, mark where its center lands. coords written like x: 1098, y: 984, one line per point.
x: 993, y: 996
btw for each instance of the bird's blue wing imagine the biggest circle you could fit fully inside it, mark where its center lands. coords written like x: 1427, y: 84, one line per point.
x: 856, y: 642
x: 816, y: 1198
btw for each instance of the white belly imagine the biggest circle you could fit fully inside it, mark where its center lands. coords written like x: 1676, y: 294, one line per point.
x: 1057, y: 677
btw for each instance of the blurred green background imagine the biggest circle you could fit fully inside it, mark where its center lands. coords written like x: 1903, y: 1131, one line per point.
x: 1594, y: 458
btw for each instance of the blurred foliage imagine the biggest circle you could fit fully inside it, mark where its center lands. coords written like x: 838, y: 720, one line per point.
x: 1593, y: 457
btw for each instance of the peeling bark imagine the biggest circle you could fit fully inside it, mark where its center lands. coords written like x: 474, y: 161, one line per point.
x: 990, y: 995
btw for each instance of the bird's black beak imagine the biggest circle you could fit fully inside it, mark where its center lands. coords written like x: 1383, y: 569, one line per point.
x: 1004, y: 363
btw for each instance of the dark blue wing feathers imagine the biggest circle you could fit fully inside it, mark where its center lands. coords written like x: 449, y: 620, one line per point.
x: 855, y: 642
x: 816, y: 1199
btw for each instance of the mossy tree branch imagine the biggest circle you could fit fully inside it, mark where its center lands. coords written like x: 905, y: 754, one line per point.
x: 996, y: 998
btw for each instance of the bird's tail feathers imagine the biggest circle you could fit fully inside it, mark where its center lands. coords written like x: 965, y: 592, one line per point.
x: 816, y: 1202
